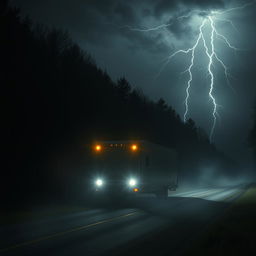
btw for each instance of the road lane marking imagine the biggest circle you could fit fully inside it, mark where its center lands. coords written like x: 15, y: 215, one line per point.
x: 223, y: 196
x: 192, y: 193
x: 214, y: 193
x: 210, y: 193
x: 206, y: 194
x: 65, y: 232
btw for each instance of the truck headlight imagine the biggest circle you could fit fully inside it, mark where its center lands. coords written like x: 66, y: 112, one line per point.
x: 132, y: 182
x: 99, y: 182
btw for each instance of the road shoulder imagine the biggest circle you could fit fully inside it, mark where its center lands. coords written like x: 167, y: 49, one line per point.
x: 234, y: 233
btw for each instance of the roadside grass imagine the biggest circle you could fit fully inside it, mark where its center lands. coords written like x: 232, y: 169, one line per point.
x: 234, y: 233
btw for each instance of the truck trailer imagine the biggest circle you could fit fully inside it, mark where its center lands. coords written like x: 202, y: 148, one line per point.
x: 129, y: 167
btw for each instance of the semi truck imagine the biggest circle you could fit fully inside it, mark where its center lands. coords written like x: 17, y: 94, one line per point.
x: 133, y: 167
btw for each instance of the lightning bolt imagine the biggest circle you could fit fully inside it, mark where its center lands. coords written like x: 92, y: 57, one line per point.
x: 234, y: 8
x: 209, y: 50
x: 189, y: 69
x: 211, y: 54
x: 150, y: 29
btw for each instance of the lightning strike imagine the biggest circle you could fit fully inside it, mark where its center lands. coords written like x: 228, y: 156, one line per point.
x: 150, y: 29
x: 230, y: 22
x: 210, y: 52
x: 211, y: 55
x: 192, y: 50
x: 234, y: 8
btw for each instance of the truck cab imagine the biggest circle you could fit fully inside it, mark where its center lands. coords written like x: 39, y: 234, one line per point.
x: 133, y: 167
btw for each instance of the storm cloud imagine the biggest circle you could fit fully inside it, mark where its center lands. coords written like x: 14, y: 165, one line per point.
x: 110, y: 31
x: 98, y: 21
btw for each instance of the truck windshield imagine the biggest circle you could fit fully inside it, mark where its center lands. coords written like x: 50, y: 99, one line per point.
x: 116, y: 162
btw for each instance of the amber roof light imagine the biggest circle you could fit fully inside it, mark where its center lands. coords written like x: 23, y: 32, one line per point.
x: 98, y: 148
x: 134, y: 147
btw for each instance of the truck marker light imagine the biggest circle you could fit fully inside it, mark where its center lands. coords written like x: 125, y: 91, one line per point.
x: 134, y: 147
x: 98, y: 148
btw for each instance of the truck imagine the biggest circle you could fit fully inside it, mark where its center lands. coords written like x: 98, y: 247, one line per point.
x: 133, y: 167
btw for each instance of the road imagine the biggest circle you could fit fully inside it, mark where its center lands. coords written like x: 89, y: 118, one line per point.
x: 145, y: 225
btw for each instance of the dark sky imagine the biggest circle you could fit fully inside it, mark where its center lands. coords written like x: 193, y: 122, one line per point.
x: 109, y: 30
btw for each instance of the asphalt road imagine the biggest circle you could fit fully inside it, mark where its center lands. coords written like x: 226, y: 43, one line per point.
x: 142, y: 226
